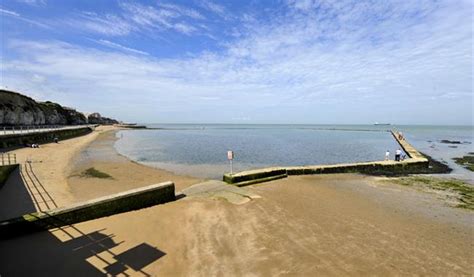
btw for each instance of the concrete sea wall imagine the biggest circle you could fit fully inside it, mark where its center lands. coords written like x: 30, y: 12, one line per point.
x: 96, y: 208
x: 413, y: 164
x: 17, y: 140
x: 5, y: 171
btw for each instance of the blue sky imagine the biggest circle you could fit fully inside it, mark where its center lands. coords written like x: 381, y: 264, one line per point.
x: 286, y: 61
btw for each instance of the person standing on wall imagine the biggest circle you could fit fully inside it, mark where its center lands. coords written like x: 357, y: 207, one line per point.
x: 387, y: 155
x: 398, y: 153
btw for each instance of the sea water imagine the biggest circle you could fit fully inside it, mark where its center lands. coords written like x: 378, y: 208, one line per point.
x: 200, y: 150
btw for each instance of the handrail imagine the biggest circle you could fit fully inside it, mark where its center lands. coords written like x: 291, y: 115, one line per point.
x: 7, y: 158
x: 29, y: 129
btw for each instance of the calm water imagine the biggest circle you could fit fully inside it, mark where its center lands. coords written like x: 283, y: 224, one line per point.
x: 200, y: 150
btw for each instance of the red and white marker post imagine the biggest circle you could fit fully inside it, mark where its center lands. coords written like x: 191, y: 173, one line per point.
x: 230, y: 157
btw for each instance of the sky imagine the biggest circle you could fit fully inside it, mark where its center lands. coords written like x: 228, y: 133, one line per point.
x: 208, y: 61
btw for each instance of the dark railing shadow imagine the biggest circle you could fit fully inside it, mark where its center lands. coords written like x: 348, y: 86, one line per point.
x: 37, y: 188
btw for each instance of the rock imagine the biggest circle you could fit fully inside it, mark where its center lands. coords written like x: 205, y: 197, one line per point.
x: 447, y: 141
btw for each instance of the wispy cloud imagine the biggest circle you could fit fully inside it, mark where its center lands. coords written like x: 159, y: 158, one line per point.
x: 33, y: 2
x: 135, y: 17
x: 215, y: 8
x: 185, y: 11
x: 10, y: 13
x: 120, y: 47
x: 17, y: 16
x: 109, y: 24
x: 322, y: 63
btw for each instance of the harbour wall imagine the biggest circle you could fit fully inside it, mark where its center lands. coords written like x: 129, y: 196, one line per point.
x: 22, y: 139
x: 414, y: 164
x: 96, y: 208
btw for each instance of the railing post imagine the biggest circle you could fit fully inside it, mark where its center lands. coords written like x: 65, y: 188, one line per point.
x: 9, y: 158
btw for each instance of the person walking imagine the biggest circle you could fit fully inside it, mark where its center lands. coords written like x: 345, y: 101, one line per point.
x: 398, y: 153
x: 387, y: 155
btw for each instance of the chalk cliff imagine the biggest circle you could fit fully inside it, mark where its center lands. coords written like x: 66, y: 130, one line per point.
x: 18, y: 109
x: 96, y: 118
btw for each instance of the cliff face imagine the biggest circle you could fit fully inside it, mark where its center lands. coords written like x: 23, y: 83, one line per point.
x: 96, y: 118
x: 17, y: 109
x: 53, y: 113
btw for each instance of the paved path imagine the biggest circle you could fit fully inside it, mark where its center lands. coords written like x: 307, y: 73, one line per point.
x: 31, y: 130
x: 219, y: 189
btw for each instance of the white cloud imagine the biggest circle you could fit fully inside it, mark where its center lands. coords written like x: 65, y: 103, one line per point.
x: 16, y: 16
x: 120, y: 47
x: 135, y: 17
x: 33, y: 2
x: 192, y: 13
x: 215, y: 8
x: 7, y: 12
x: 347, y: 61
x: 108, y: 24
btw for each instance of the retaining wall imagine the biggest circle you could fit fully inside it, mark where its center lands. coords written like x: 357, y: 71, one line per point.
x: 96, y: 208
x: 414, y: 164
x: 16, y: 140
x: 5, y: 171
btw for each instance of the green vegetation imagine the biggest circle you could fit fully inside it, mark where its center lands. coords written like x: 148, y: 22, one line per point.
x: 466, y: 161
x: 464, y: 191
x: 94, y: 173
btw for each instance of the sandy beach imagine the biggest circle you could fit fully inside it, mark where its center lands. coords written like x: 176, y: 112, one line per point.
x: 101, y: 155
x: 58, y: 168
x: 300, y: 226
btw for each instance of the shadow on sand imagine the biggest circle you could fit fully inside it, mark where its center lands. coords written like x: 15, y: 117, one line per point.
x: 15, y: 200
x: 62, y: 251
x: 44, y: 253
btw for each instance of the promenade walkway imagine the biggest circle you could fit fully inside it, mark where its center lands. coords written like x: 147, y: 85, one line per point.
x: 24, y: 130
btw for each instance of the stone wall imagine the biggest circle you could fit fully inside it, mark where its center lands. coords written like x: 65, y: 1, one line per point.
x: 5, y: 173
x: 20, y: 140
x: 96, y: 208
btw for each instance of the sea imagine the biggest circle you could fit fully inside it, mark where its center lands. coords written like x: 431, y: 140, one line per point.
x: 200, y: 150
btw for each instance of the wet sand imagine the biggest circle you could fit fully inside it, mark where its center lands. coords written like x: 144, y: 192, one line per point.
x: 101, y: 155
x: 335, y: 225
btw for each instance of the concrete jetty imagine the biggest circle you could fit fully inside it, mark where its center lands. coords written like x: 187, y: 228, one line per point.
x: 412, y: 164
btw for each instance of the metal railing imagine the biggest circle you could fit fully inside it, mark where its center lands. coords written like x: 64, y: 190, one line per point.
x: 27, y: 129
x: 7, y: 158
